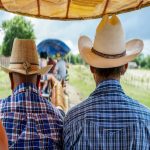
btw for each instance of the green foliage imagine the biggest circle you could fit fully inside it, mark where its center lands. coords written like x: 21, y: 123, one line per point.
x: 148, y: 62
x: 143, y: 61
x: 17, y: 27
x: 74, y: 59
x: 0, y: 49
x: 139, y: 59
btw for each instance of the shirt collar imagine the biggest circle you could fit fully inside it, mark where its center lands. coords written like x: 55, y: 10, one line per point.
x: 109, y: 82
x: 23, y: 86
x: 108, y: 86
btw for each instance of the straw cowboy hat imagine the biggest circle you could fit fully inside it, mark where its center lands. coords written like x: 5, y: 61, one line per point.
x: 109, y: 49
x: 24, y: 59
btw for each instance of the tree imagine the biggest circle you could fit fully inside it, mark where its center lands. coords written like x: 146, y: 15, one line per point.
x: 79, y: 59
x: 74, y: 59
x: 143, y: 63
x: 70, y: 58
x: 147, y: 62
x: 17, y: 27
x: 139, y: 59
x: 0, y: 49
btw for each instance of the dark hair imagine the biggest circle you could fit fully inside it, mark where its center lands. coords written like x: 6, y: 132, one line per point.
x: 43, y: 55
x: 106, y: 72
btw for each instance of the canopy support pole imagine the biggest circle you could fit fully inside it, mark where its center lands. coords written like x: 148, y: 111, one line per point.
x: 105, y: 7
x: 38, y: 4
x: 68, y: 6
x: 140, y: 4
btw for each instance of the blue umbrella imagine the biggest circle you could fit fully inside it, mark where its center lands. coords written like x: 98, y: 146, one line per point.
x: 52, y: 47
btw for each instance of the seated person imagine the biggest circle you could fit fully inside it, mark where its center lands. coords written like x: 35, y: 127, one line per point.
x: 50, y: 78
x: 31, y: 122
x: 108, y: 119
x: 57, y: 93
x: 53, y: 63
x: 53, y: 88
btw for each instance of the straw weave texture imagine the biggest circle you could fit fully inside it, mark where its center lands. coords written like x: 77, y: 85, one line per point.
x: 71, y: 9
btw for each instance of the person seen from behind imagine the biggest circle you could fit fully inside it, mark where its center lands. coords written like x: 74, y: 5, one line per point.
x: 31, y: 122
x: 60, y: 68
x: 108, y: 119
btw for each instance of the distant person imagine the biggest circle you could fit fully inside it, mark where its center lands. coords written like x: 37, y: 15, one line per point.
x: 60, y: 68
x: 53, y: 63
x: 55, y: 83
x: 43, y: 63
x: 31, y: 122
x: 108, y: 119
x: 50, y: 78
x: 54, y: 88
x: 43, y: 59
x: 3, y: 138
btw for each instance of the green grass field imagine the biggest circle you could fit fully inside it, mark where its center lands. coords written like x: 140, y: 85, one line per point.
x: 81, y: 78
x: 4, y: 85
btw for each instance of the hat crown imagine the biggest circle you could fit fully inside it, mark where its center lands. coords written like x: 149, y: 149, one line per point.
x: 24, y: 59
x: 109, y: 38
x: 24, y: 50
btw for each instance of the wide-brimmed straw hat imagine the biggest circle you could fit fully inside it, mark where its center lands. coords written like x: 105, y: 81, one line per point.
x: 109, y: 49
x: 24, y: 59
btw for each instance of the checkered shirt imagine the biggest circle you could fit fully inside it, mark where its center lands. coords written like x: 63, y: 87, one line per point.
x: 107, y: 120
x: 31, y: 122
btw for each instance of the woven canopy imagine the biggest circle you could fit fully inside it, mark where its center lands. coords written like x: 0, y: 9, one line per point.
x: 71, y: 9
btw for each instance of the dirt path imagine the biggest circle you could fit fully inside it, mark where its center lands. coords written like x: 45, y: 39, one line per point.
x: 74, y: 96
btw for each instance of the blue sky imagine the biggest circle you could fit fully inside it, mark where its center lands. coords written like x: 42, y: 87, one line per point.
x: 136, y: 25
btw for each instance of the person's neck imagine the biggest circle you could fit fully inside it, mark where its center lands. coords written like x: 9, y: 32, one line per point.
x: 100, y: 79
x: 17, y: 84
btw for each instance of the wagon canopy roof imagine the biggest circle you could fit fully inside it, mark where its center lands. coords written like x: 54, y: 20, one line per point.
x: 71, y: 9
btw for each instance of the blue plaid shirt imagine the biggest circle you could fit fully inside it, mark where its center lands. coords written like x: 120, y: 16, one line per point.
x: 107, y: 120
x: 31, y: 122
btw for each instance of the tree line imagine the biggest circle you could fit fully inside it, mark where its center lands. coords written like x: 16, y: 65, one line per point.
x: 74, y: 59
x: 143, y: 61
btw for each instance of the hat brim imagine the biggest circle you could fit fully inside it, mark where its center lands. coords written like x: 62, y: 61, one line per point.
x: 133, y: 49
x: 41, y: 71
